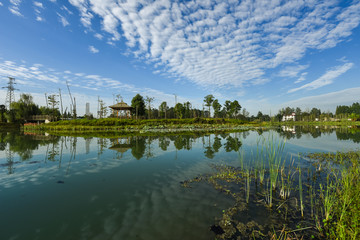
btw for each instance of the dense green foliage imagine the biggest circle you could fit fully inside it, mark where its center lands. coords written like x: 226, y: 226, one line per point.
x: 138, y: 105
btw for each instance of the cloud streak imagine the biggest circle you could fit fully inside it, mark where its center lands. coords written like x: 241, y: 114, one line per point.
x: 222, y: 43
x: 326, y: 78
x: 14, y: 7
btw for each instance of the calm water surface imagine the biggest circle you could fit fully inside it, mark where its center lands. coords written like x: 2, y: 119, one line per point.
x: 129, y: 187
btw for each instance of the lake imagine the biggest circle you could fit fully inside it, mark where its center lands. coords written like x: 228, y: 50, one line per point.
x: 64, y: 187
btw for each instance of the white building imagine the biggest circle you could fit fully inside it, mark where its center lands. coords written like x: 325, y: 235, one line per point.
x: 289, y: 117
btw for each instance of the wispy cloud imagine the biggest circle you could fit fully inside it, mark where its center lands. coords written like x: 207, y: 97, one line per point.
x: 302, y: 77
x: 63, y: 20
x: 222, y: 43
x: 38, y: 6
x: 99, y: 36
x: 15, y: 7
x: 1, y: 4
x: 292, y: 71
x: 66, y: 10
x: 326, y: 78
x: 37, y: 78
x: 92, y: 49
x: 327, y: 101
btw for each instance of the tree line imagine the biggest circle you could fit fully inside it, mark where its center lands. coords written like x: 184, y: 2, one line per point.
x: 142, y: 108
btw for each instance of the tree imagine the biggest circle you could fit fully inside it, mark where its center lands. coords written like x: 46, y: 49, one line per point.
x: 187, y: 109
x: 138, y: 105
x: 298, y: 114
x: 227, y: 107
x: 315, y: 113
x: 149, y: 100
x: 53, y: 103
x: 2, y: 113
x: 24, y: 108
x: 102, y: 109
x: 208, y: 101
x: 163, y: 108
x: 235, y: 108
x: 179, y: 110
x: 217, y: 107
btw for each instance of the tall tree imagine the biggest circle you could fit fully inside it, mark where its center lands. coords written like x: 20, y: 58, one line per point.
x: 217, y: 107
x: 208, y: 102
x: 24, y: 108
x: 235, y: 108
x: 227, y: 107
x: 102, y: 108
x: 187, y: 109
x: 179, y: 110
x: 149, y: 100
x: 138, y: 105
x: 163, y: 108
x: 52, y: 99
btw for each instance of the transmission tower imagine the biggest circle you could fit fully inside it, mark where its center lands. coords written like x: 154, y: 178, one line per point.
x: 10, y: 97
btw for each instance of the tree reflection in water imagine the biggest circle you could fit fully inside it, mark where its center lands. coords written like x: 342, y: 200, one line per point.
x: 17, y: 145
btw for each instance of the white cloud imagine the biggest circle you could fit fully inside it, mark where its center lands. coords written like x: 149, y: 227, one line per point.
x: 99, y: 36
x: 326, y: 78
x: 302, y: 77
x: 63, y: 20
x: 39, y: 19
x: 15, y: 7
x: 92, y: 49
x: 83, y: 7
x: 1, y: 4
x: 66, y: 10
x: 38, y: 79
x: 221, y: 43
x: 292, y: 71
x: 327, y: 101
x: 38, y: 4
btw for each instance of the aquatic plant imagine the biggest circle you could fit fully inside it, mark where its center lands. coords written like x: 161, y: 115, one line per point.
x: 301, y: 194
x: 274, y: 149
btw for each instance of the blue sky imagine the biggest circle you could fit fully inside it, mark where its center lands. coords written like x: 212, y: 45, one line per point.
x: 265, y: 54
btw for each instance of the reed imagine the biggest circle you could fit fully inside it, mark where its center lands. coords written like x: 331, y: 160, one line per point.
x: 274, y: 150
x: 301, y: 194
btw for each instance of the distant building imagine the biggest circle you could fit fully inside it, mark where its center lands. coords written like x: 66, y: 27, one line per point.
x: 289, y: 117
x: 87, y: 110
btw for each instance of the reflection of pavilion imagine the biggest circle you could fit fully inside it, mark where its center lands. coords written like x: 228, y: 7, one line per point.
x: 121, y: 145
x: 122, y: 110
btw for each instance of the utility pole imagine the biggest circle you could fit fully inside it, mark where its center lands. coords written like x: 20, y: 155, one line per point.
x: 10, y: 97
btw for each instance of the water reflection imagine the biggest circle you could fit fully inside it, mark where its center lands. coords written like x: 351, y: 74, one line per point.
x: 126, y: 187
x: 342, y: 133
x: 19, y: 147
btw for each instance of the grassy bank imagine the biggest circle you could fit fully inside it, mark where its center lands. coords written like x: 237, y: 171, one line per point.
x: 131, y: 126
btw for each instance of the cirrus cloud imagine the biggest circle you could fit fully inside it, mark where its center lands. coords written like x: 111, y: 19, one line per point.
x: 326, y: 78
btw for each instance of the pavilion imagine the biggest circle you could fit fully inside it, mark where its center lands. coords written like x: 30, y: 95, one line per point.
x: 122, y: 110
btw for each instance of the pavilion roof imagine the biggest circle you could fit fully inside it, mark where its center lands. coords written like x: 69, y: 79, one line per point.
x: 121, y: 106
